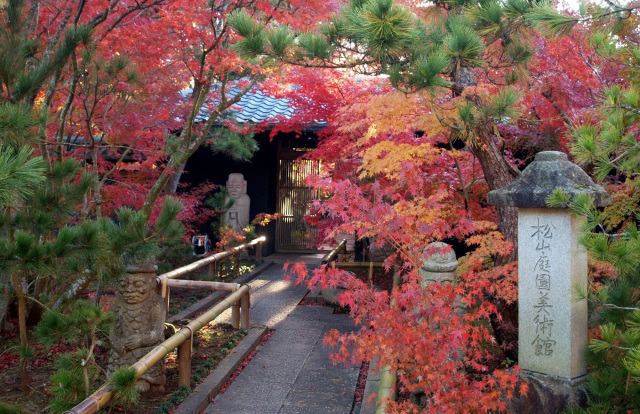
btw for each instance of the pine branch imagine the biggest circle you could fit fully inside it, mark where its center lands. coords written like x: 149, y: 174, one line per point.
x: 593, y: 69
x: 31, y: 298
x: 561, y: 112
x: 612, y: 306
x: 626, y: 107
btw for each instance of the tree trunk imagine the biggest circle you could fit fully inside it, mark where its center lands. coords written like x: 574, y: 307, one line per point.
x: 169, y: 178
x: 24, y: 343
x: 172, y: 184
x: 498, y: 175
x: 497, y: 172
x: 22, y: 324
x: 74, y: 291
x: 5, y: 299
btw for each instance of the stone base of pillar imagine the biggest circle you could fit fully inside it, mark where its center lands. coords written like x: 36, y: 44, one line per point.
x: 549, y: 394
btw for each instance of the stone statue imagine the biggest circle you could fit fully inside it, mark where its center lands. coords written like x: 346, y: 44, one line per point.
x: 139, y: 326
x: 439, y: 266
x: 237, y: 216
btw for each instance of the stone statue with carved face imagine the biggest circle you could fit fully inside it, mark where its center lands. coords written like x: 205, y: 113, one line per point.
x: 237, y: 216
x: 139, y: 326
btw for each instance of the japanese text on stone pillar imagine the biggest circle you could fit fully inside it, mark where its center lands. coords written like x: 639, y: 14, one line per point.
x: 543, y: 344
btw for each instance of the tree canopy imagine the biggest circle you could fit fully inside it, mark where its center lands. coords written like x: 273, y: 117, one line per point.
x: 429, y: 105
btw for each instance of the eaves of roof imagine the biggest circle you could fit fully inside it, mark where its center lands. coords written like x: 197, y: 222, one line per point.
x: 257, y: 107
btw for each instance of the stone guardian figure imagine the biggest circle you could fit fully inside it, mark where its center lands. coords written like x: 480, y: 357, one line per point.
x: 139, y: 325
x: 237, y: 216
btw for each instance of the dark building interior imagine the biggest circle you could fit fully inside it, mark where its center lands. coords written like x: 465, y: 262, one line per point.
x: 271, y: 185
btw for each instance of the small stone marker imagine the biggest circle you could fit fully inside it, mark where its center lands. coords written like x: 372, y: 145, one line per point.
x: 440, y: 265
x: 552, y: 266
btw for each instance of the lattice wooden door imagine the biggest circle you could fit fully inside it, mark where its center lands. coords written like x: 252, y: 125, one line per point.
x: 293, y: 233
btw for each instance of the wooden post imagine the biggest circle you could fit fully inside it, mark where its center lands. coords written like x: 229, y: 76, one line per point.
x: 163, y: 291
x: 371, y: 272
x: 259, y: 252
x: 236, y: 264
x: 245, y: 304
x: 184, y: 364
x: 235, y: 315
x: 212, y: 269
x: 166, y: 300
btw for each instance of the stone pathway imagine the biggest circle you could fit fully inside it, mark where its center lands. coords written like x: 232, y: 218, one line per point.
x: 292, y: 372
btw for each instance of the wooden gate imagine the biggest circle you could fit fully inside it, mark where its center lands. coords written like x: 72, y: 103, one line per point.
x: 294, y: 199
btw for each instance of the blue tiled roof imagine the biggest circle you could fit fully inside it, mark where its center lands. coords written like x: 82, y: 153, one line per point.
x: 254, y: 106
x: 258, y: 107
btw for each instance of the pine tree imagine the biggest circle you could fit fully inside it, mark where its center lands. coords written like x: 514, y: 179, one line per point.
x: 38, y: 199
x: 49, y: 251
x: 611, y: 150
x: 85, y: 323
x: 41, y: 248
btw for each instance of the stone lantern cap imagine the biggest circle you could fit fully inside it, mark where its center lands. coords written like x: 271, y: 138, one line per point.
x: 550, y: 170
x: 439, y: 261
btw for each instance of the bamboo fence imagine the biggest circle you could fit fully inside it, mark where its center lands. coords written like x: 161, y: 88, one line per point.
x: 333, y: 259
x: 167, y: 280
x: 182, y: 339
x: 333, y: 255
x: 214, y: 258
x: 238, y: 300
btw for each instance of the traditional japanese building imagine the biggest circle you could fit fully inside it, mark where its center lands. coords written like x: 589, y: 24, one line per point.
x: 275, y: 174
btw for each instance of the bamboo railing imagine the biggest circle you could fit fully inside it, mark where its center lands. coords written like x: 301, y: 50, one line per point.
x: 181, y: 339
x: 333, y: 259
x: 214, y: 258
x: 167, y: 280
x: 333, y: 255
x: 238, y: 300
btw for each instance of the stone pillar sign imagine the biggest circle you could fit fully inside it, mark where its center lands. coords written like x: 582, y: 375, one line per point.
x: 552, y: 266
x: 552, y: 327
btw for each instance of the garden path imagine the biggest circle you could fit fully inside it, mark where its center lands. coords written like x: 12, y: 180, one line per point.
x: 292, y: 372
